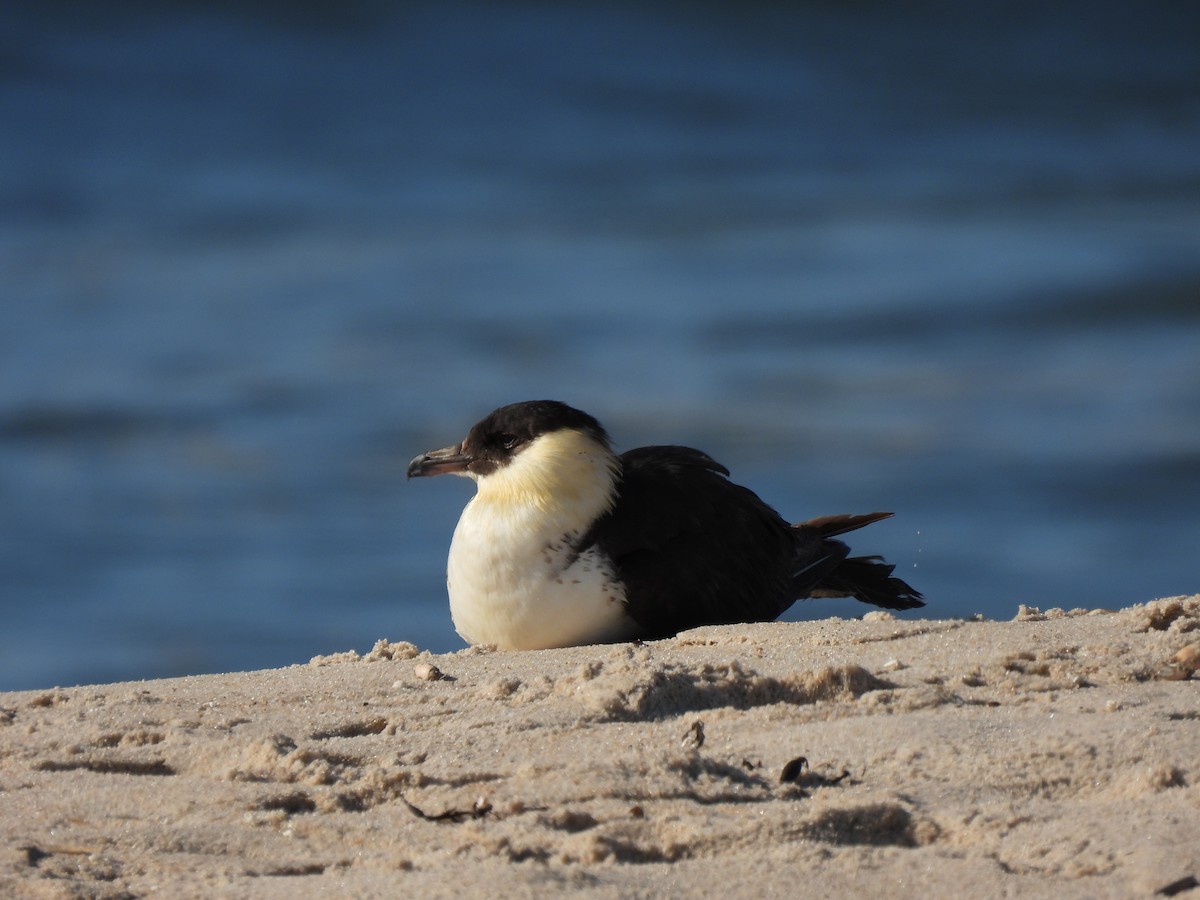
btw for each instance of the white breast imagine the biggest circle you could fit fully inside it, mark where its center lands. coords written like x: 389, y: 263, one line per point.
x: 513, y: 577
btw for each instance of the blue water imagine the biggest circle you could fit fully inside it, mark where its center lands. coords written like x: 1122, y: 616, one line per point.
x: 938, y: 259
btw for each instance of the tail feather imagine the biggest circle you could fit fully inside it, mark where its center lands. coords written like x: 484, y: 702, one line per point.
x: 829, y: 526
x: 869, y: 579
x: 832, y: 574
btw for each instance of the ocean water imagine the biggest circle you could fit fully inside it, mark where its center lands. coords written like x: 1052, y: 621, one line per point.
x: 937, y: 259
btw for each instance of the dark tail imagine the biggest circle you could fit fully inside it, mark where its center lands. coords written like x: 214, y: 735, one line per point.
x: 832, y: 574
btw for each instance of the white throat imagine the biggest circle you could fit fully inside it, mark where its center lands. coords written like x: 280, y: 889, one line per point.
x: 514, y: 577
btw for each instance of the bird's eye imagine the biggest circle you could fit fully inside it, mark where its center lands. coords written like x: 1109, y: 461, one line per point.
x: 508, y: 441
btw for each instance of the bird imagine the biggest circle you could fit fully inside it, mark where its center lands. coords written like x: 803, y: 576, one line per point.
x: 567, y: 542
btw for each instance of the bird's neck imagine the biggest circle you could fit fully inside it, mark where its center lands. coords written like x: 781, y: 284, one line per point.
x: 563, y: 481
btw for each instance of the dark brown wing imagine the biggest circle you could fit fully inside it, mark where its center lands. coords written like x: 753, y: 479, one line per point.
x: 693, y: 548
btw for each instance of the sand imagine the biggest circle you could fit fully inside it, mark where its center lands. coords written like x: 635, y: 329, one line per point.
x: 1055, y: 755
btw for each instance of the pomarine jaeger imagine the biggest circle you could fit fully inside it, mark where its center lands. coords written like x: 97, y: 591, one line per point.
x: 566, y: 542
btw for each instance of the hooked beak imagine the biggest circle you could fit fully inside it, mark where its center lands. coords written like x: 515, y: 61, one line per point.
x: 439, y: 462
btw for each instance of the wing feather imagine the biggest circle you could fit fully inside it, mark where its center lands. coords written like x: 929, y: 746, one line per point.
x: 676, y: 506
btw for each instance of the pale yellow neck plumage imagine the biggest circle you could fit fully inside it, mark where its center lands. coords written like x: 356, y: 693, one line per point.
x: 565, y: 474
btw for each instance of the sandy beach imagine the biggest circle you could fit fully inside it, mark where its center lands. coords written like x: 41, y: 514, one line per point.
x: 1053, y: 755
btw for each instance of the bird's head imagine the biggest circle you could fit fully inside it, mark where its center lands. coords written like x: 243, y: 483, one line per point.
x: 534, y: 449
